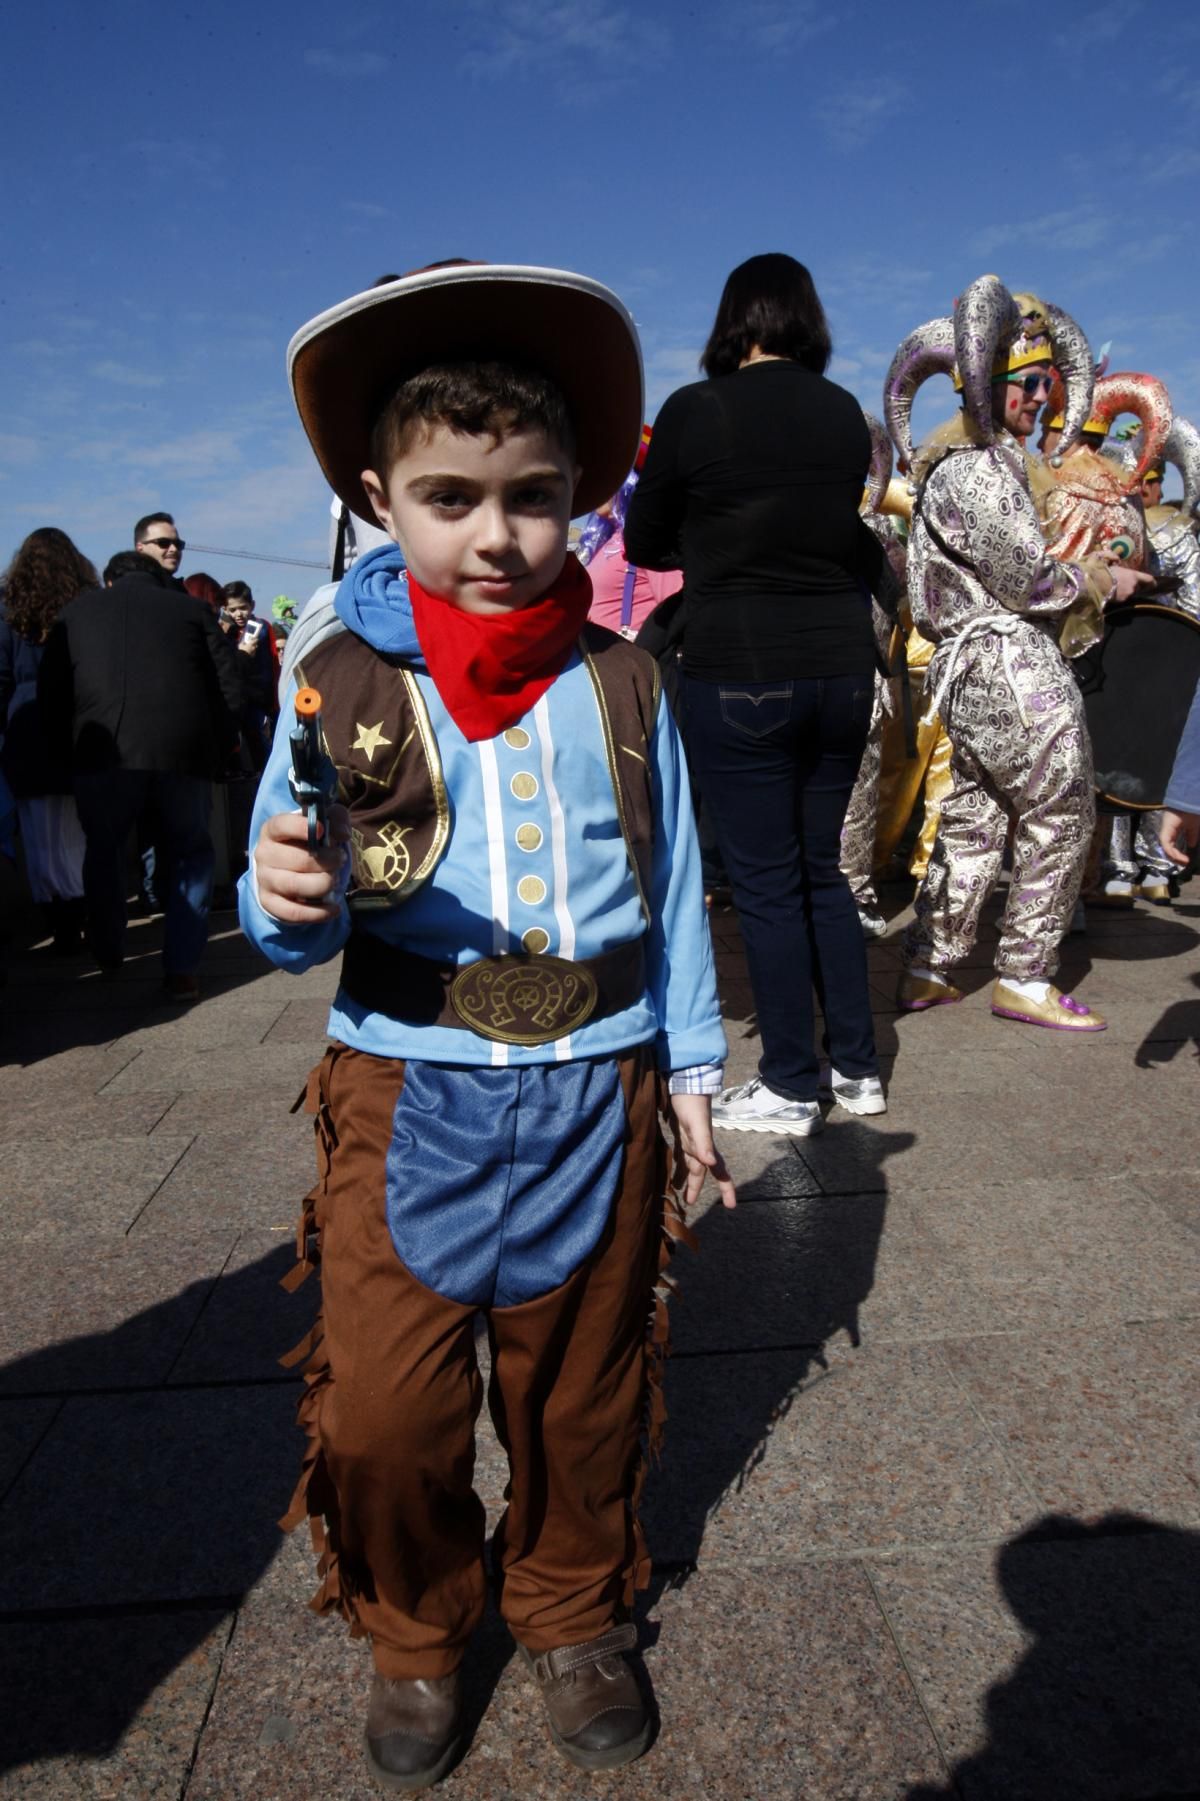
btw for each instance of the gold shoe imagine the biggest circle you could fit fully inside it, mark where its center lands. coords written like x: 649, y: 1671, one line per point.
x: 915, y: 994
x: 1060, y: 1012
x: 1158, y: 892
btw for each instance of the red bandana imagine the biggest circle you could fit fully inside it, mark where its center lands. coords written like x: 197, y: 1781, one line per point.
x: 491, y: 668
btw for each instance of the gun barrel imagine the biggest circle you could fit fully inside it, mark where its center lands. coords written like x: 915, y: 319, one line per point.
x: 308, y: 703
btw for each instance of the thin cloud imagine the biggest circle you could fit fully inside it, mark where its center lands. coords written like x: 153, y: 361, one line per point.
x: 369, y: 209
x: 16, y: 448
x: 347, y: 65
x: 1102, y: 25
x: 856, y: 112
x: 1078, y: 228
x: 126, y: 374
x: 525, y: 37
x: 777, y: 26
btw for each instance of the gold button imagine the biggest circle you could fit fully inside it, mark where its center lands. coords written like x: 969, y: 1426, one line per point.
x: 536, y: 940
x: 517, y: 738
x: 529, y: 837
x: 531, y: 889
x: 524, y: 785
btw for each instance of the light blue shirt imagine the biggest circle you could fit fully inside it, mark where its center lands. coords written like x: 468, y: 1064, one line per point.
x: 535, y: 858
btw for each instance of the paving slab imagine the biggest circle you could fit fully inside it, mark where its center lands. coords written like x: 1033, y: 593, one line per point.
x: 248, y: 1322
x: 22, y: 1425
x: 79, y: 1068
x: 52, y: 1114
x: 67, y: 1189
x: 1066, y: 1663
x: 231, y: 1019
x: 105, y: 1707
x: 239, y: 1177
x: 1053, y: 1254
x: 819, y: 1704
x: 786, y: 1454
x: 114, y: 1315
x: 808, y: 1271
x: 301, y: 1022
x: 232, y: 1111
x: 162, y: 1497
x: 1095, y: 1421
x: 247, y: 1067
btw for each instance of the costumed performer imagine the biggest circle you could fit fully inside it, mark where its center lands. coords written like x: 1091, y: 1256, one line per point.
x: 514, y: 886
x: 983, y: 588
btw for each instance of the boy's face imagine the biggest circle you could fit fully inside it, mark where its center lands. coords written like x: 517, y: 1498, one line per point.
x: 238, y: 610
x: 482, y: 522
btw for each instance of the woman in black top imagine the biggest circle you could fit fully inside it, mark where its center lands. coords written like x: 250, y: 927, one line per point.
x: 752, y: 484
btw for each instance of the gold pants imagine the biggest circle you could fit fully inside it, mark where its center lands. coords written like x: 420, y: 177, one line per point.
x: 900, y: 783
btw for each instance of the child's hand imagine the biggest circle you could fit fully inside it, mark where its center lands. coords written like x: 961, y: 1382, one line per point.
x: 297, y: 885
x: 693, y: 1113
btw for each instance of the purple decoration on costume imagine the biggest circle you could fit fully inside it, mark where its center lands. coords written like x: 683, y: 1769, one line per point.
x: 879, y: 474
x: 596, y: 530
x: 985, y: 317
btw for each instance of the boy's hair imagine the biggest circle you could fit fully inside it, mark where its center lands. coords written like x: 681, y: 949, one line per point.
x: 474, y: 398
x: 237, y: 591
x: 134, y: 562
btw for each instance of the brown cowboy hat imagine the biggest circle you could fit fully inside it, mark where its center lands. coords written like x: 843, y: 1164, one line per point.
x: 345, y: 364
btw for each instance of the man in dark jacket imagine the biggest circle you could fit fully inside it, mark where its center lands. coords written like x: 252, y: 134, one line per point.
x: 140, y: 681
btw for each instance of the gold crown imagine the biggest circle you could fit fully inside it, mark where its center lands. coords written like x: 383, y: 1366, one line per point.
x: 1093, y: 427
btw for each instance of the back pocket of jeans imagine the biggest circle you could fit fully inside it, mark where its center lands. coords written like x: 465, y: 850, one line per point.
x: 756, y: 715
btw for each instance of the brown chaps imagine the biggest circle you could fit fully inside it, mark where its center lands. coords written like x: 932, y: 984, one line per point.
x: 394, y: 1390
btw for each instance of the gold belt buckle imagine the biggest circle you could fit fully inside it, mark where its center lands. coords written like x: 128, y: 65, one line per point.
x: 524, y: 1000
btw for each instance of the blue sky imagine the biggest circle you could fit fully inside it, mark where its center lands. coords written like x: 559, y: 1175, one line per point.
x: 181, y: 187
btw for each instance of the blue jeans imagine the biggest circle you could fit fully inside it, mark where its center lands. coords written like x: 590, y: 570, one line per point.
x: 176, y: 808
x: 775, y: 762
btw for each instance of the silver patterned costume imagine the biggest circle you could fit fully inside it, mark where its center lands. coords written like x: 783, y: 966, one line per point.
x: 983, y: 588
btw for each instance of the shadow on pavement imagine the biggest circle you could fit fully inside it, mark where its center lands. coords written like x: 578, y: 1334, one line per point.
x: 772, y: 1284
x: 139, y: 1517
x: 1176, y: 1030
x: 1104, y: 1705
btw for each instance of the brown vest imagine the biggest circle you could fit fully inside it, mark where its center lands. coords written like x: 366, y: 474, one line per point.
x: 390, y: 770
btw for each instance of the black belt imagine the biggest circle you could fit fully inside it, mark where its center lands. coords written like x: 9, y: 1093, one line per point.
x: 518, y: 998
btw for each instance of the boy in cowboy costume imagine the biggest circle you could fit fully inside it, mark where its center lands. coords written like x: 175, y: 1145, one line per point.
x: 514, y: 885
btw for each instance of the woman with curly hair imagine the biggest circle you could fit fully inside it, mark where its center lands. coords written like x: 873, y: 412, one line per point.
x: 45, y: 574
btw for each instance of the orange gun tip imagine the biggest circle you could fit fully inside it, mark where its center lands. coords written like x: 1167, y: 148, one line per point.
x: 308, y: 702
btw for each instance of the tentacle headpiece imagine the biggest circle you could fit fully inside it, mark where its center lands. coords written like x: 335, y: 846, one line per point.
x: 879, y: 473
x: 927, y: 351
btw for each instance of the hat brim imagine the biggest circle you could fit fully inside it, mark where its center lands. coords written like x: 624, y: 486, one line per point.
x: 345, y: 364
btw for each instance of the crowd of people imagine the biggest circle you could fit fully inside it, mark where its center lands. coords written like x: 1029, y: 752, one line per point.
x: 123, y: 699
x: 504, y: 842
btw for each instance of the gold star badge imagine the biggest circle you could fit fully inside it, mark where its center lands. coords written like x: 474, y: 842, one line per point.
x: 369, y: 739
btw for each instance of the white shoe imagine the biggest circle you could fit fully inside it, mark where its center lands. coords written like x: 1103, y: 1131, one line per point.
x: 756, y: 1108
x: 873, y: 924
x: 856, y: 1094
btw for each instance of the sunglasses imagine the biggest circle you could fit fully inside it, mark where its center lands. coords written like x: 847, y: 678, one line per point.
x: 1032, y: 384
x: 166, y: 543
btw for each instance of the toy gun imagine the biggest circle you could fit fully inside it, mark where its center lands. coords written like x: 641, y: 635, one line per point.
x: 313, y: 779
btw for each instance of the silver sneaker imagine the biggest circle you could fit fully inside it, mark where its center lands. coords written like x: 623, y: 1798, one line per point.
x: 856, y: 1094
x: 756, y: 1108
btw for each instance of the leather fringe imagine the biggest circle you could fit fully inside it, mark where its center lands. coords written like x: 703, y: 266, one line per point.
x: 675, y: 1231
x: 315, y: 1497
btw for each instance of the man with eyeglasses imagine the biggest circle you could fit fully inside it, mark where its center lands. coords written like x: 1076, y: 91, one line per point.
x: 983, y: 587
x: 155, y: 536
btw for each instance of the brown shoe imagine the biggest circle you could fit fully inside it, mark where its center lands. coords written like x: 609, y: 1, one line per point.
x: 184, y: 989
x: 413, y: 1730
x: 597, y: 1716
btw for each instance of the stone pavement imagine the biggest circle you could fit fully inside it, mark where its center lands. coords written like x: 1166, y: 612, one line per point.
x: 928, y: 1523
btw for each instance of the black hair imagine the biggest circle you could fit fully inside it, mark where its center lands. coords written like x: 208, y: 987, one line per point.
x: 238, y: 591
x: 474, y: 398
x: 139, y: 530
x: 768, y: 301
x: 135, y: 562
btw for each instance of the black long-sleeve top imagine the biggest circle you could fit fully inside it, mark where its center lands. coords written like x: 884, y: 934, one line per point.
x: 752, y: 485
